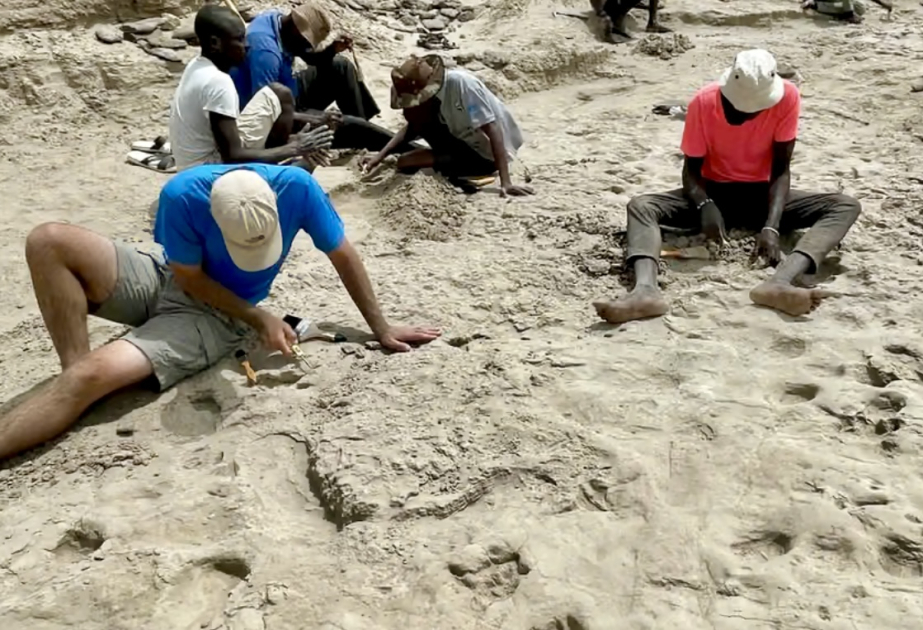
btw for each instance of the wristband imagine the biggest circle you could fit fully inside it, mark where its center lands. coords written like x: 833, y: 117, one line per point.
x: 771, y: 229
x: 703, y: 204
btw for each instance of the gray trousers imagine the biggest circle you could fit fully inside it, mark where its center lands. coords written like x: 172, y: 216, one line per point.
x: 743, y: 206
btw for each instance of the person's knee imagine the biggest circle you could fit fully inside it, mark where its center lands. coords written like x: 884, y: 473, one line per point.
x: 104, y: 370
x: 45, y: 242
x: 640, y: 207
x: 286, y: 98
x: 850, y: 206
x: 343, y: 66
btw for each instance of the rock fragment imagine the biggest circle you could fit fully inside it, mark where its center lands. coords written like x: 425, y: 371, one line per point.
x: 109, y: 34
x: 142, y: 27
x: 435, y: 24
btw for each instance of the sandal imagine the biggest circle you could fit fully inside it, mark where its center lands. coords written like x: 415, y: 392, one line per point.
x: 160, y: 144
x: 152, y: 161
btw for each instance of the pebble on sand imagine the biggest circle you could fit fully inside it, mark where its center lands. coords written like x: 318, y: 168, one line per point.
x: 158, y: 39
x: 161, y: 53
x: 436, y: 24
x: 109, y: 34
x: 142, y: 27
x: 917, y: 86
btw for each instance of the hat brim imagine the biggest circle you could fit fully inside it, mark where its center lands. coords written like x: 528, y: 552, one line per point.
x: 405, y: 101
x: 307, y: 31
x: 253, y: 259
x: 751, y: 102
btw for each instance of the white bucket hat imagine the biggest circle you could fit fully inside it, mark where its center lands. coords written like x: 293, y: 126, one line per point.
x: 244, y: 207
x: 752, y: 84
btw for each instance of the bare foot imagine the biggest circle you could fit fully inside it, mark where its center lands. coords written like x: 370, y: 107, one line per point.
x: 787, y: 298
x: 658, y: 28
x: 641, y: 303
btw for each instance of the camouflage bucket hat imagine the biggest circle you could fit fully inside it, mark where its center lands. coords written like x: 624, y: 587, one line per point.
x: 416, y: 81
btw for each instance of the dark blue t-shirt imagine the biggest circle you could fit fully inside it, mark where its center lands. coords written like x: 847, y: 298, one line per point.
x: 189, y: 235
x: 266, y: 61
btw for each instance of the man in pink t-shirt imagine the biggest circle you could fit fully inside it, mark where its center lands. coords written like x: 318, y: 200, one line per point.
x: 738, y: 141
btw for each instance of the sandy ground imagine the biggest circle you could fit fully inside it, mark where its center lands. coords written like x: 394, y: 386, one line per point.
x: 721, y: 468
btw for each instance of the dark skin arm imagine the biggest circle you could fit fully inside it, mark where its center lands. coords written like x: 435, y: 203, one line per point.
x: 227, y: 137
x: 780, y: 183
x: 319, y: 58
x: 694, y: 190
x: 494, y: 133
x: 409, y: 132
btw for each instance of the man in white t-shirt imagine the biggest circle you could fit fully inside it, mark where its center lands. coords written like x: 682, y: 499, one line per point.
x: 206, y: 124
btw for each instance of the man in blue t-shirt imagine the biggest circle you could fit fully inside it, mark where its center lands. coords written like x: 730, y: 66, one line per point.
x: 224, y: 232
x: 274, y: 39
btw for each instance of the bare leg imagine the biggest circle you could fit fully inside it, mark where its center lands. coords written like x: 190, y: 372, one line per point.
x: 652, y: 25
x: 60, y: 403
x: 617, y: 12
x: 778, y: 292
x: 413, y: 161
x: 645, y: 299
x: 71, y: 268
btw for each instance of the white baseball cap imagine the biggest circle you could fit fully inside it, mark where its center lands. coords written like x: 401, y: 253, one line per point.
x: 244, y: 207
x: 752, y: 84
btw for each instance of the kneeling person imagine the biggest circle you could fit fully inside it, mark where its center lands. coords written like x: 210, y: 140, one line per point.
x: 225, y: 232
x: 206, y: 124
x: 738, y: 142
x: 470, y: 131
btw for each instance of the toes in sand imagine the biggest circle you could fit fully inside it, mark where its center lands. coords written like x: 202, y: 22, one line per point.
x: 788, y: 299
x: 641, y: 303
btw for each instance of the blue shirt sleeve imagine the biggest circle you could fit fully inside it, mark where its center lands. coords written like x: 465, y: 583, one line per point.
x: 320, y: 220
x: 174, y: 230
x: 266, y: 66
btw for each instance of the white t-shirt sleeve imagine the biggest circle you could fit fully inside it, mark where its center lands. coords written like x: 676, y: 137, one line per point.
x: 220, y: 96
x: 477, y: 102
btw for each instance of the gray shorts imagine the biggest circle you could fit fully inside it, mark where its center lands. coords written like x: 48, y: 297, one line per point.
x: 179, y: 335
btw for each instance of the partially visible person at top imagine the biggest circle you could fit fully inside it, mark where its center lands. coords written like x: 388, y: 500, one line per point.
x: 224, y: 233
x: 738, y: 143
x: 206, y: 124
x: 470, y: 131
x: 616, y: 13
x: 275, y: 39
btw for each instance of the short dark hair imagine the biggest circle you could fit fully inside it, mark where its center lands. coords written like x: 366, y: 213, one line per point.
x: 213, y: 20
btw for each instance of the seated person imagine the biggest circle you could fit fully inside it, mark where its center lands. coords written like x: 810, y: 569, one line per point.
x: 224, y: 233
x: 469, y: 130
x: 738, y: 142
x: 616, y: 13
x: 274, y: 39
x: 206, y: 124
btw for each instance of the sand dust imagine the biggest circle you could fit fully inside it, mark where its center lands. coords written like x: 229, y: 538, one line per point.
x: 721, y: 468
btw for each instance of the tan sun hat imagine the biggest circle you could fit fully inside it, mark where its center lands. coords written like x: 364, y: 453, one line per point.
x: 244, y: 207
x: 312, y: 22
x: 416, y: 81
x: 753, y: 83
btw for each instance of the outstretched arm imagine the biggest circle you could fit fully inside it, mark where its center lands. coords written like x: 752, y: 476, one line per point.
x: 693, y: 182
x: 407, y: 133
x: 348, y: 264
x: 780, y: 182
